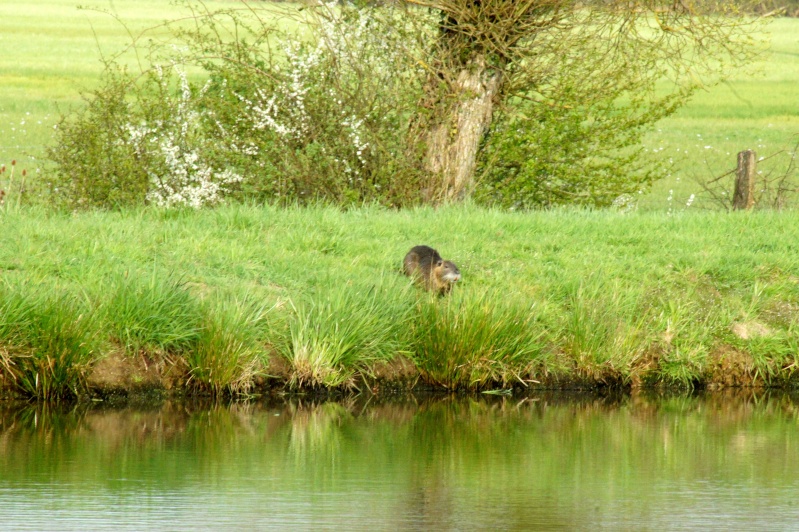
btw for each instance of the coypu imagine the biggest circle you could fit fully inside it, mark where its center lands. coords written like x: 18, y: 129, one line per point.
x: 437, y: 274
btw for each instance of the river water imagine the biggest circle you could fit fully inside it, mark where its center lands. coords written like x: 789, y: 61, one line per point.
x: 546, y: 462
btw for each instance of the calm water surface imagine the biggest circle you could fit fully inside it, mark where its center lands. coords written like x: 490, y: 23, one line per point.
x: 568, y: 462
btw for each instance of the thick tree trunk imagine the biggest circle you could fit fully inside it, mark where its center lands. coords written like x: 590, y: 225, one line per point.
x: 454, y: 138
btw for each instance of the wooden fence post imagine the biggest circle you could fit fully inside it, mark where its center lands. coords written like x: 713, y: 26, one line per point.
x: 744, y: 195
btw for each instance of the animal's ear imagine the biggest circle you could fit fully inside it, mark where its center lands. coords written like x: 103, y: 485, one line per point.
x: 439, y: 263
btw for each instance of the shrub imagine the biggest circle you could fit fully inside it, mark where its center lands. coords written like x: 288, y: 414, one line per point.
x: 338, y: 102
x: 94, y: 166
x: 138, y: 141
x: 293, y: 117
x: 321, y: 115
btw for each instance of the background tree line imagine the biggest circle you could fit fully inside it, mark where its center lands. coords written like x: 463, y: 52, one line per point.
x: 520, y: 103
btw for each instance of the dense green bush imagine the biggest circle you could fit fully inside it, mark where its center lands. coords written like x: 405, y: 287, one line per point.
x: 320, y: 116
x: 545, y: 155
x: 139, y: 140
x: 93, y: 164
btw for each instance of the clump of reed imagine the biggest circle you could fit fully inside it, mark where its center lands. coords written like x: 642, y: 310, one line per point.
x: 473, y: 341
x: 153, y: 315
x: 48, y: 341
x: 229, y: 354
x: 332, y: 336
x: 605, y: 331
x: 218, y: 341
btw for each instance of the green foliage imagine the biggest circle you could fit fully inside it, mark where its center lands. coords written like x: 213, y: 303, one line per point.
x: 320, y: 120
x: 470, y: 341
x: 139, y: 140
x: 153, y: 314
x: 94, y: 166
x: 333, y: 336
x: 229, y: 352
x: 514, y: 169
x: 586, y: 153
x: 47, y: 341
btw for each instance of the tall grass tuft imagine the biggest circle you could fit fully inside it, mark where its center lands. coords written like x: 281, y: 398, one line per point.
x: 689, y: 324
x: 48, y: 341
x: 333, y: 336
x: 474, y: 341
x: 154, y: 315
x: 229, y: 354
x: 605, y: 330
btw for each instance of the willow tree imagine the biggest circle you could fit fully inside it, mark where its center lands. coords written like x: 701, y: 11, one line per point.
x: 599, y: 62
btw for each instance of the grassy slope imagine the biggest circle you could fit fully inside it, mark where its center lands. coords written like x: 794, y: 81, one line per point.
x: 611, y: 297
x: 601, y: 296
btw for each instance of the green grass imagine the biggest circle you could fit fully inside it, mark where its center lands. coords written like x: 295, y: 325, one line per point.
x: 561, y: 297
x: 476, y: 340
x: 48, y: 340
x: 51, y: 51
x: 147, y: 313
x: 229, y: 354
x: 756, y: 108
x: 343, y: 329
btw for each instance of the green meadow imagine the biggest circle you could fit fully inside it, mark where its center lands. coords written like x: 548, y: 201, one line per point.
x: 242, y: 299
x: 755, y: 108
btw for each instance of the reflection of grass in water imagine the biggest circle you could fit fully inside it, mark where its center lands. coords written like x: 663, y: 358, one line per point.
x: 414, y: 461
x: 316, y: 431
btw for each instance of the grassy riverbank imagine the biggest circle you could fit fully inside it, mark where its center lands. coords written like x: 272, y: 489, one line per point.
x: 243, y: 299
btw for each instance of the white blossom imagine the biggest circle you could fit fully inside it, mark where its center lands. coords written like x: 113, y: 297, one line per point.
x: 184, y: 177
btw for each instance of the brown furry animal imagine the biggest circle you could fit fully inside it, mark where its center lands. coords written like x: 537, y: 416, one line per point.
x: 426, y: 265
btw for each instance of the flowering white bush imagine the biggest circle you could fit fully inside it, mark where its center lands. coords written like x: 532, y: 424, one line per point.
x: 320, y: 114
x: 625, y: 203
x: 180, y: 176
x: 325, y: 118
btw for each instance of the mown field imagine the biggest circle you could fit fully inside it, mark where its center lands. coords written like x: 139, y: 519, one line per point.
x: 241, y: 298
